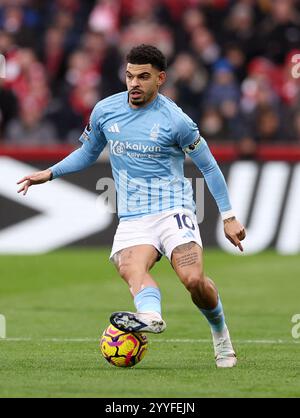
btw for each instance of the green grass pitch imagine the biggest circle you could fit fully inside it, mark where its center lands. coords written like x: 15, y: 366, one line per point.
x: 57, y: 306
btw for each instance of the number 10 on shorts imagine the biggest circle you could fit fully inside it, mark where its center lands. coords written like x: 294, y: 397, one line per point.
x: 184, y: 220
x: 2, y: 327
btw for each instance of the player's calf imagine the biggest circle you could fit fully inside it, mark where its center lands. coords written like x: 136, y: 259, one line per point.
x: 203, y: 291
x: 134, y: 265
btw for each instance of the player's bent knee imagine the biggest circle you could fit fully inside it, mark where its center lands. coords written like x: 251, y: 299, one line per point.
x: 194, y: 282
x: 130, y: 272
x: 125, y: 271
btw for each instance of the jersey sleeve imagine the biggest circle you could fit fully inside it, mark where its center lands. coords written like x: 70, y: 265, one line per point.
x: 93, y: 142
x: 188, y: 137
x: 186, y: 131
x: 205, y: 161
x: 93, y: 137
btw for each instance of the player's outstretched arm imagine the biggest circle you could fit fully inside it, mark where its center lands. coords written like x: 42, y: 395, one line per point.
x: 204, y: 160
x: 33, y: 179
x: 93, y: 142
x: 78, y: 160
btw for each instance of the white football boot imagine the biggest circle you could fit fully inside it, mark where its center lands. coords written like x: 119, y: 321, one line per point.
x: 224, y: 351
x: 138, y: 322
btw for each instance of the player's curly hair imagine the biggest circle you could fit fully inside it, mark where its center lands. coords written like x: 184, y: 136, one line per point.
x: 147, y: 54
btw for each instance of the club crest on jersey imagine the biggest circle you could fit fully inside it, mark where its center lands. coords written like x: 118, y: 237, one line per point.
x: 154, y: 134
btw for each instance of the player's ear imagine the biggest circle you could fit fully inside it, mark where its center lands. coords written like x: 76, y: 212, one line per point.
x: 161, y: 78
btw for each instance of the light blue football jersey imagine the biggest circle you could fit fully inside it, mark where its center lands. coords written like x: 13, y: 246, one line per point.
x: 146, y: 153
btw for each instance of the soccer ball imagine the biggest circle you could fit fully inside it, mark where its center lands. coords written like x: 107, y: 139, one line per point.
x: 123, y: 349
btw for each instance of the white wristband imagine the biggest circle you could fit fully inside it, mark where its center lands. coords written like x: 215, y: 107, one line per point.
x: 227, y: 215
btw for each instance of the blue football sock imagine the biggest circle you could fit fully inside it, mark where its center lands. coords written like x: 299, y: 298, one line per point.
x: 215, y: 317
x: 148, y: 300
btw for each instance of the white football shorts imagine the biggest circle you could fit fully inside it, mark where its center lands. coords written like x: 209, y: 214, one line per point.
x: 164, y: 231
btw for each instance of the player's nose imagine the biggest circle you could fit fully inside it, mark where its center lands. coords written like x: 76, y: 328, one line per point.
x: 135, y: 82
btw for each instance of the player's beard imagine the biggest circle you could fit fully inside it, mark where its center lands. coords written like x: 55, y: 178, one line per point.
x: 138, y: 102
x: 142, y: 100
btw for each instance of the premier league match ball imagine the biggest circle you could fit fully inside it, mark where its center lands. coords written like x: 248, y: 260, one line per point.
x: 123, y: 349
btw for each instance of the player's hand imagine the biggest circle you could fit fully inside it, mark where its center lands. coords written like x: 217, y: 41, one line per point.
x: 35, y: 178
x: 235, y: 232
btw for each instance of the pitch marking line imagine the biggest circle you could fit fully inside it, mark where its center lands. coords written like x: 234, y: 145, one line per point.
x: 164, y: 341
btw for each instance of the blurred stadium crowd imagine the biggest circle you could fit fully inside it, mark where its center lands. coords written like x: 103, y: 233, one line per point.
x: 230, y: 65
